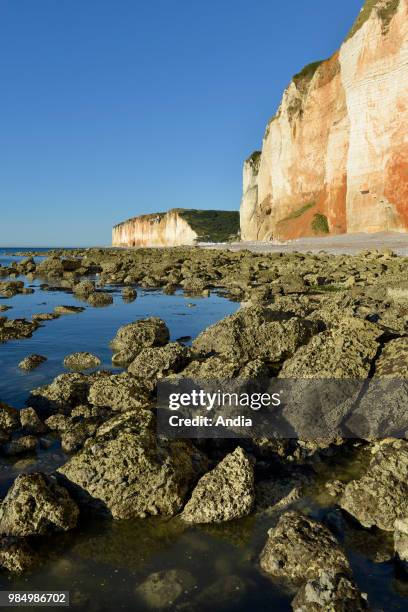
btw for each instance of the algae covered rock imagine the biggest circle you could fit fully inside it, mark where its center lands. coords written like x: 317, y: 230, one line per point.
x: 225, y: 493
x: 64, y: 392
x: 162, y: 589
x: 380, y: 497
x: 346, y: 350
x: 37, y: 505
x: 130, y: 339
x: 81, y: 361
x: 16, y: 555
x: 9, y: 419
x: 393, y: 361
x: 119, y: 392
x: 158, y: 362
x: 124, y: 471
x: 31, y: 422
x: 299, y: 547
x: 255, y: 332
x: 329, y: 591
x: 31, y: 361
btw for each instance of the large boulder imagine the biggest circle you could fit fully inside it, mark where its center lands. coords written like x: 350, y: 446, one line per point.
x: 225, y: 493
x: 380, y: 497
x: 255, y: 332
x: 124, y: 471
x: 37, y: 505
x: 346, y: 350
x: 299, y: 547
x: 130, y: 339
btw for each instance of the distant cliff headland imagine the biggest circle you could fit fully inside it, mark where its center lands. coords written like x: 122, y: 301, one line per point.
x: 334, y: 158
x: 179, y: 226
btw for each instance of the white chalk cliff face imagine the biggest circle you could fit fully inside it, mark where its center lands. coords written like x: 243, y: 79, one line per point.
x: 335, y: 157
x: 168, y: 229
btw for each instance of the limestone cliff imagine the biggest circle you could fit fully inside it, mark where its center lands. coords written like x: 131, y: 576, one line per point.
x: 176, y: 227
x: 334, y: 159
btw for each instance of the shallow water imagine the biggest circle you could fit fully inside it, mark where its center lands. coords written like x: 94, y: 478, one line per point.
x: 102, y: 563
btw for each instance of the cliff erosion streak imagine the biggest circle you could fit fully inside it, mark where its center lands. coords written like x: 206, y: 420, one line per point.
x: 334, y: 159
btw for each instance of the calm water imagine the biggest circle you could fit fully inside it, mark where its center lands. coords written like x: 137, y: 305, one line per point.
x: 102, y: 563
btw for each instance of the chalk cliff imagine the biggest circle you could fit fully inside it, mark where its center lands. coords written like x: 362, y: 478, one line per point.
x: 176, y: 227
x: 334, y: 159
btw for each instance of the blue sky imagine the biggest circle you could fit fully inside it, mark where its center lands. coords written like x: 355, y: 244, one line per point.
x: 113, y: 108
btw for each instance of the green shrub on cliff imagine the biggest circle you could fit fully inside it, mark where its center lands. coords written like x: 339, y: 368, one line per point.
x: 212, y: 225
x: 320, y: 224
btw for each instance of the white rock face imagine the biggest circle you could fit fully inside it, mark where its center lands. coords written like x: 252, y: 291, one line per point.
x: 169, y: 229
x: 335, y: 157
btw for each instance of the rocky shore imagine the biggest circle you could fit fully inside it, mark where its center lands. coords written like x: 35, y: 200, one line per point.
x: 302, y: 316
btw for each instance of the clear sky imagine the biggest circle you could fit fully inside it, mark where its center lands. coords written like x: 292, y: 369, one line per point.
x: 114, y: 108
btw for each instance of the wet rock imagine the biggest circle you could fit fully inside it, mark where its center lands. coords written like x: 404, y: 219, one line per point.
x: 52, y: 266
x: 37, y: 505
x: 161, y: 590
x: 130, y: 339
x: 18, y: 446
x: 58, y: 422
x: 31, y: 422
x: 299, y: 547
x: 4, y: 307
x: 224, y: 368
x: 65, y: 392
x: 129, y: 294
x: 119, y: 392
x: 100, y: 298
x: 346, y: 350
x: 225, y: 493
x: 124, y: 471
x: 16, y: 555
x: 158, y: 362
x: 380, y: 497
x: 11, y: 329
x: 226, y: 593
x: 330, y: 591
x: 401, y: 539
x: 31, y: 362
x: 76, y: 434
x: 84, y: 288
x: 45, y: 316
x: 9, y: 419
x: 81, y: 361
x: 252, y: 333
x: 64, y: 309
